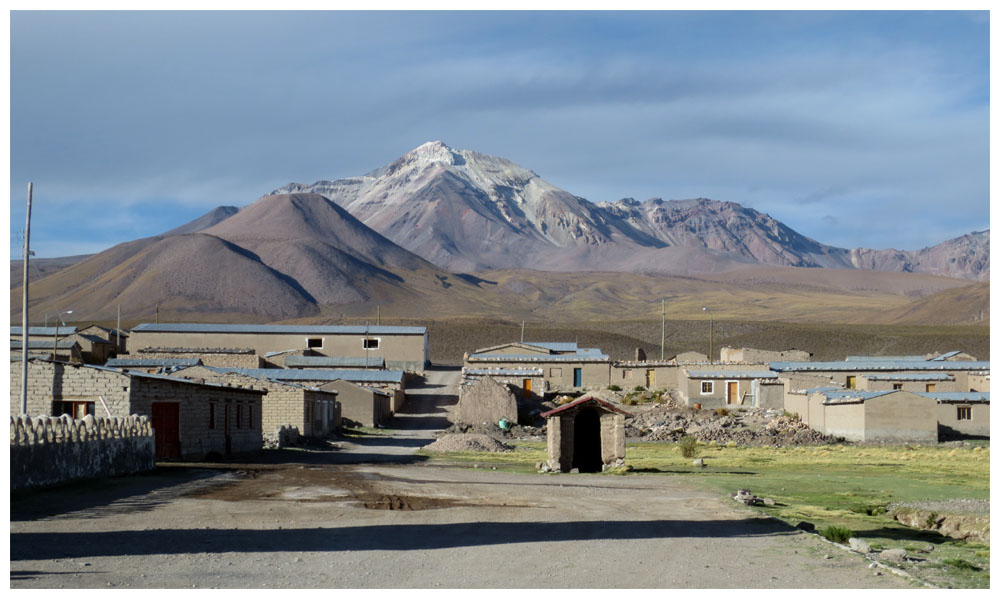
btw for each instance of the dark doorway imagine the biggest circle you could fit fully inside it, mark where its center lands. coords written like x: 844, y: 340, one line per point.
x: 167, y: 430
x: 587, y: 441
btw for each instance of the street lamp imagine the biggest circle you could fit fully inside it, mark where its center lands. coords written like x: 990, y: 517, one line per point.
x: 711, y: 349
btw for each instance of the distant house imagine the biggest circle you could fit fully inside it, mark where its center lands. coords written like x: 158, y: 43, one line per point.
x: 529, y: 382
x: 402, y: 347
x: 565, y: 366
x: 760, y: 356
x: 191, y: 419
x: 646, y: 374
x: 367, y: 406
x: 714, y: 388
x: 117, y: 337
x: 66, y: 350
x: 847, y: 373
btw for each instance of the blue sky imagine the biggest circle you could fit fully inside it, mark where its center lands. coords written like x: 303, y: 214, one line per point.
x: 858, y: 129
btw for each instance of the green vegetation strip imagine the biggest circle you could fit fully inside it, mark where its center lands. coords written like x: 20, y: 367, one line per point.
x: 839, y: 486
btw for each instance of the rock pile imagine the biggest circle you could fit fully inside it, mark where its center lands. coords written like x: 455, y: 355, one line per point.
x: 741, y: 427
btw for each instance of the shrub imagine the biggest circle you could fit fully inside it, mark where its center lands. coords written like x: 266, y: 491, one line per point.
x: 961, y: 564
x: 790, y: 415
x: 688, y: 446
x: 639, y: 388
x: 614, y: 388
x: 721, y: 412
x: 837, y: 534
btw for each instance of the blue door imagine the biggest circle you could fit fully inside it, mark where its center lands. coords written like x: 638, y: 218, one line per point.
x: 577, y: 377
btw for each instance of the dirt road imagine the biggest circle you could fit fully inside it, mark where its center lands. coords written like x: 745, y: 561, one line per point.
x: 323, y: 519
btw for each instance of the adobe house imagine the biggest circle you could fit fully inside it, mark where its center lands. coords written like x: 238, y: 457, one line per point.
x: 883, y: 416
x: 391, y: 382
x: 529, y: 383
x: 846, y: 373
x: 720, y: 386
x: 761, y: 356
x: 367, y: 406
x: 191, y: 419
x: 310, y: 411
x: 402, y: 348
x: 565, y: 367
x: 233, y: 357
x: 486, y: 400
x: 587, y: 435
x: 66, y: 350
x: 962, y: 414
x: 648, y: 374
x: 911, y: 381
x: 117, y: 337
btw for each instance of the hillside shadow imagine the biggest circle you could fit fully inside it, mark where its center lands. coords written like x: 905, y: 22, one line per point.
x: 398, y: 537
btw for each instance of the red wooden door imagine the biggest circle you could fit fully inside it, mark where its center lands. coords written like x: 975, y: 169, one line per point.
x: 167, y: 428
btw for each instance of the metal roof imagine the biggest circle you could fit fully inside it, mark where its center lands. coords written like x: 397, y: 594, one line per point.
x: 554, y: 345
x: 583, y: 401
x: 316, y: 374
x: 277, y: 329
x: 853, y: 396
x: 333, y: 362
x: 877, y: 365
x: 163, y: 377
x: 44, y: 343
x: 915, y: 376
x: 946, y: 355
x: 949, y: 397
x: 822, y: 390
x: 503, y: 371
x: 151, y: 362
x: 733, y: 374
x: 597, y: 357
x: 49, y: 331
x: 885, y: 359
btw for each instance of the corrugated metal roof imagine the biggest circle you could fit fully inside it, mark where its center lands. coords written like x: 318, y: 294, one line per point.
x: 916, y: 376
x: 877, y: 365
x: 822, y: 390
x: 539, y: 357
x: 554, y: 345
x: 586, y: 399
x: 503, y: 371
x: 945, y: 356
x: 50, y: 331
x: 44, y: 343
x: 163, y: 377
x: 277, y: 329
x: 949, y: 397
x: 885, y: 359
x: 151, y: 362
x: 316, y: 374
x: 853, y: 396
x: 733, y: 374
x: 333, y: 362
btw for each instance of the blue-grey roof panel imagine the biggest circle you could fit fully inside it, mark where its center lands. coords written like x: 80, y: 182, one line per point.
x: 333, y: 362
x: 504, y: 371
x: 151, y: 362
x: 43, y: 343
x: 733, y: 374
x: 538, y: 357
x: 946, y: 355
x: 553, y: 345
x: 915, y: 376
x: 278, y: 329
x: 976, y: 396
x: 885, y: 359
x: 876, y: 366
x: 316, y: 374
x: 50, y: 331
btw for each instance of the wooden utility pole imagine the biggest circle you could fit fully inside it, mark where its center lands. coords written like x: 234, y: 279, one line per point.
x: 522, y: 331
x: 118, y: 330
x: 24, y: 307
x: 663, y: 326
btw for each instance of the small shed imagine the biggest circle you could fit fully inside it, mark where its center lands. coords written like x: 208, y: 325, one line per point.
x: 587, y: 435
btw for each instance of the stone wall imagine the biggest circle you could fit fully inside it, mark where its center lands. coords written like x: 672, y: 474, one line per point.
x: 486, y: 401
x: 235, y: 358
x: 48, y: 382
x: 45, y: 450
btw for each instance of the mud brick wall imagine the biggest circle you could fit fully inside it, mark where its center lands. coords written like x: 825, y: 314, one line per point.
x: 612, y: 439
x: 48, y: 382
x: 47, y: 451
x: 217, y: 359
x: 487, y: 401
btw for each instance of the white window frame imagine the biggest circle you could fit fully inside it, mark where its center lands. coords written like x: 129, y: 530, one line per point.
x: 711, y: 387
x: 377, y: 340
x: 322, y: 342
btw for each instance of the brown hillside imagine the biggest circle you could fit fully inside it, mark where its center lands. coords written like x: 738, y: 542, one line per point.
x: 964, y: 305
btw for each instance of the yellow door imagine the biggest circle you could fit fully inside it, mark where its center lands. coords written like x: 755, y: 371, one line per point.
x: 732, y: 393
x: 526, y: 388
x: 931, y: 387
x: 650, y: 379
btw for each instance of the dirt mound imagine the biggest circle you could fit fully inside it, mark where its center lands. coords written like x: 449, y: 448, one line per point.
x: 467, y: 442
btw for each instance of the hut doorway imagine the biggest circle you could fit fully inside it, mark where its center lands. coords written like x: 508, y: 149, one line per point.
x: 587, y: 441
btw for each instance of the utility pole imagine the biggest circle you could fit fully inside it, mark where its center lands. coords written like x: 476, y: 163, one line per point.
x: 118, y: 330
x: 378, y: 315
x: 24, y: 307
x: 663, y: 326
x: 522, y: 331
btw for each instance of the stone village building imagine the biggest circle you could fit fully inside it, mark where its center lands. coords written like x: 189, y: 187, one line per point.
x: 191, y: 419
x: 565, y: 367
x: 586, y: 435
x: 402, y: 348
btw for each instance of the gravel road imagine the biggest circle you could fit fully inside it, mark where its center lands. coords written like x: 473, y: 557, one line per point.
x: 341, y: 519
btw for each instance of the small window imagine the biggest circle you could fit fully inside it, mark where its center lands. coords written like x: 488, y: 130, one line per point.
x: 964, y: 413
x: 852, y: 382
x: 626, y: 374
x: 931, y: 387
x: 897, y: 386
x: 76, y: 409
x: 211, y: 415
x: 239, y: 415
x: 314, y: 342
x: 707, y: 387
x: 369, y: 343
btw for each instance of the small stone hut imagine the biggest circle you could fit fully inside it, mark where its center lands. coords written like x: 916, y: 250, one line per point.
x: 587, y: 435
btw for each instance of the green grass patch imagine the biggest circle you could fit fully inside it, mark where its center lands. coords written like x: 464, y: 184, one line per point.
x: 837, y: 534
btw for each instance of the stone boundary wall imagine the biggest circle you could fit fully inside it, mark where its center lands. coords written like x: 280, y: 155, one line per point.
x: 46, y: 450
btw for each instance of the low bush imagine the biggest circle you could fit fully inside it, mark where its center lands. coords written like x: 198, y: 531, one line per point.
x: 721, y: 412
x: 837, y: 534
x: 639, y: 388
x: 961, y: 564
x: 614, y: 388
x: 688, y: 446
